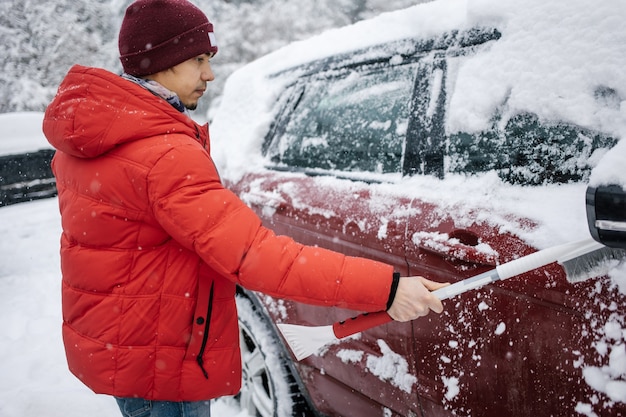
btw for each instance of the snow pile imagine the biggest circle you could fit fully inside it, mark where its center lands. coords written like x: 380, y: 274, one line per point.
x: 21, y: 132
x: 389, y: 367
x: 350, y: 356
x: 610, y: 379
x: 610, y: 170
x: 452, y: 387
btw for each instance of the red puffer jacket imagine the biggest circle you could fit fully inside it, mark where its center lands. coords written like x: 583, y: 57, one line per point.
x: 153, y: 245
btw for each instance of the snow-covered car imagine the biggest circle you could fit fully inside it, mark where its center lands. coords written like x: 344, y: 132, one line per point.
x: 444, y: 139
x: 25, y: 156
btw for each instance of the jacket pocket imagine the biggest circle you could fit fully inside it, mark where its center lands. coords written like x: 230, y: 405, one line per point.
x: 201, y: 323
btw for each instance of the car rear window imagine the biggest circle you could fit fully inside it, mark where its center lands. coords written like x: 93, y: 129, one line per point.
x: 529, y: 151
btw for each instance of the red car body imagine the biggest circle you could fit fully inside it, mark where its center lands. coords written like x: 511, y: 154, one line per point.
x: 512, y: 348
x: 357, y: 155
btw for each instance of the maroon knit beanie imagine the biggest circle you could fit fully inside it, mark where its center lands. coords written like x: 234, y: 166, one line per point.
x: 159, y: 34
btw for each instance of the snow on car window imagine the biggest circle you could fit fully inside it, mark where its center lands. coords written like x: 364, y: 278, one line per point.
x: 354, y: 123
x: 529, y: 151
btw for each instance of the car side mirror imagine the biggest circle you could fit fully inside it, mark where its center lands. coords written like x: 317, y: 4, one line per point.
x: 606, y: 214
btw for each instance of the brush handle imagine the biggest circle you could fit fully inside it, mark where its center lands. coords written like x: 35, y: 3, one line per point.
x: 360, y: 323
x: 547, y: 256
x: 507, y: 270
x: 366, y: 321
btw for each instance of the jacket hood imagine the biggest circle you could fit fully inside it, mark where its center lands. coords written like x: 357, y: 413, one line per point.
x: 95, y: 110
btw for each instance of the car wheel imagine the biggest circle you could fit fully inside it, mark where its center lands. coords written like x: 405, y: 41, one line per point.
x: 268, y: 389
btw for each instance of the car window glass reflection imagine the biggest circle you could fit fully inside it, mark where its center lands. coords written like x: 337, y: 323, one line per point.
x: 357, y: 122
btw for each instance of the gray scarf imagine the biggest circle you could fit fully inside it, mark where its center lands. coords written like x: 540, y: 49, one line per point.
x: 159, y: 91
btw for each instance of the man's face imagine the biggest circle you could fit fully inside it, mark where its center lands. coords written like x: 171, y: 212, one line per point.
x: 187, y: 79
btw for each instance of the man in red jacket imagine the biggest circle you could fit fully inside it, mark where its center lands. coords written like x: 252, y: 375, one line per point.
x: 153, y: 245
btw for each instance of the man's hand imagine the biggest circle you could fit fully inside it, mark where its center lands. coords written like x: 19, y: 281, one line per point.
x: 414, y: 299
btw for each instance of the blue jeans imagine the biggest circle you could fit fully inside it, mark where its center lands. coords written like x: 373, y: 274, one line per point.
x: 138, y: 407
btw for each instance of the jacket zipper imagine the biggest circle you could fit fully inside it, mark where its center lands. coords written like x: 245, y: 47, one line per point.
x: 205, y: 336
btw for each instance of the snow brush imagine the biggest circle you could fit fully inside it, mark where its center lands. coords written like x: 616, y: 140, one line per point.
x: 309, y: 340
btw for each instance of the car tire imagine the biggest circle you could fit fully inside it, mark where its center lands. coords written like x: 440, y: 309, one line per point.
x: 268, y: 388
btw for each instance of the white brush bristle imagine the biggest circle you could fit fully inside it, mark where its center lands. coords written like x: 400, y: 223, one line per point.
x: 305, y: 341
x: 593, y: 264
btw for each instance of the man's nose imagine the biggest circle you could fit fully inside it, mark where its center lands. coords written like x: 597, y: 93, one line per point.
x: 207, y: 73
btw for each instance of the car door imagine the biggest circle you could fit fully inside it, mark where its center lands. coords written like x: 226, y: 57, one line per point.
x: 346, y: 377
x: 339, y: 153
x: 515, y: 347
x: 330, y: 200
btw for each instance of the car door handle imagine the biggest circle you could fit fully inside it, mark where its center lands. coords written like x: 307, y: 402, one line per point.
x: 460, y: 244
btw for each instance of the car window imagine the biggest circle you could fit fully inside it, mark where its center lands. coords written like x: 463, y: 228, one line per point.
x: 356, y: 121
x: 389, y: 117
x: 529, y: 151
